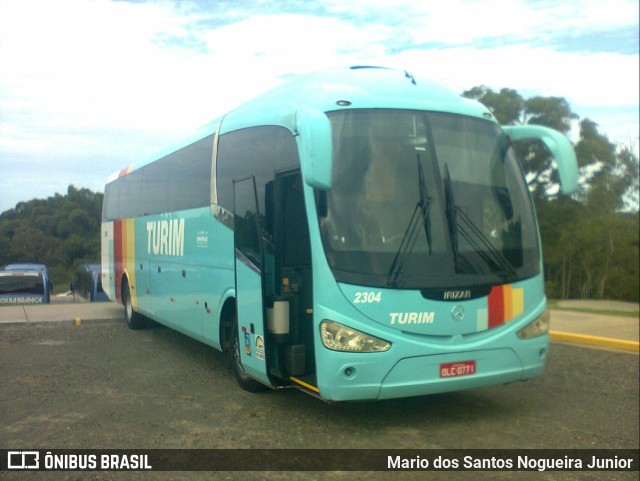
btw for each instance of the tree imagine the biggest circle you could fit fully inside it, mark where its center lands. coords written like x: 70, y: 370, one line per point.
x: 510, y: 108
x: 31, y: 245
x: 590, y: 240
x: 507, y: 106
x: 61, y: 231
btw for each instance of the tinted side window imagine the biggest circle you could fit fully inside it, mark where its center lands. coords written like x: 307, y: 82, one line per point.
x: 154, y: 197
x: 110, y: 202
x: 247, y: 220
x: 191, y: 175
x: 178, y: 181
x: 129, y: 193
x: 295, y: 239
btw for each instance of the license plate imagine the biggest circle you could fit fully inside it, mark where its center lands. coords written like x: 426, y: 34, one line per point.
x: 455, y: 369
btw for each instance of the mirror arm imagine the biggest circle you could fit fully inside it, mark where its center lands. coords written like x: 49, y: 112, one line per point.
x: 559, y: 146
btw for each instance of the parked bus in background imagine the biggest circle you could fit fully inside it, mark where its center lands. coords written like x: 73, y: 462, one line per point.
x: 356, y: 233
x: 87, y: 283
x: 25, y: 284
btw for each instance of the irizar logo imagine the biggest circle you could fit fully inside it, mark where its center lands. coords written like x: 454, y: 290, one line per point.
x: 166, y: 237
x: 411, y: 317
x: 456, y: 295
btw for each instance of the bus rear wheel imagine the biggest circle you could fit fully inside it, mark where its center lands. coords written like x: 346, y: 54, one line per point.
x: 245, y: 381
x: 134, y: 320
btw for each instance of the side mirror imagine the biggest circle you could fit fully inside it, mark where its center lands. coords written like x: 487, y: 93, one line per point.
x: 315, y: 147
x: 559, y: 146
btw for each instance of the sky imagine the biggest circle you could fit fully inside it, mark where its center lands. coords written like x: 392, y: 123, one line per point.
x: 90, y: 86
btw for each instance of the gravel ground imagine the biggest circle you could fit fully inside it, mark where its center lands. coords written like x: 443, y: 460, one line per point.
x: 102, y: 386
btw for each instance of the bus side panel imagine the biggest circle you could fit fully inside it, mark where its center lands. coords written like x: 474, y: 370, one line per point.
x: 173, y: 275
x: 140, y: 265
x: 190, y: 270
x: 218, y: 282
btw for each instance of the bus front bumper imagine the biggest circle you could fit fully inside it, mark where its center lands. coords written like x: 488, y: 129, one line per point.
x: 431, y: 374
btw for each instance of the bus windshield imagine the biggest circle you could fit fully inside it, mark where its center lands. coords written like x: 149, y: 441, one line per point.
x: 425, y: 200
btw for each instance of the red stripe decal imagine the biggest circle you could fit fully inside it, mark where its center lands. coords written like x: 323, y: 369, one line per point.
x: 496, y: 306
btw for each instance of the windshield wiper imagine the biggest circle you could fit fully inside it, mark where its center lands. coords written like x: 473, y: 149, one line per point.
x: 459, y: 222
x: 422, y: 211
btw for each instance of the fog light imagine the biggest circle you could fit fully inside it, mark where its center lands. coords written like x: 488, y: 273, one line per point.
x: 538, y: 327
x: 337, y: 337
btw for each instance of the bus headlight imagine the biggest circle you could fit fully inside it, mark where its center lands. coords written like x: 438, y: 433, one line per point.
x: 337, y: 337
x: 536, y: 328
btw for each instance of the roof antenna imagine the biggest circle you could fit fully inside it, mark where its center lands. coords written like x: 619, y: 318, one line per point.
x: 410, y: 77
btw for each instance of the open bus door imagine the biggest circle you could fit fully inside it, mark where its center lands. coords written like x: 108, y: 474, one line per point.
x: 290, y: 336
x: 249, y: 268
x: 273, y: 283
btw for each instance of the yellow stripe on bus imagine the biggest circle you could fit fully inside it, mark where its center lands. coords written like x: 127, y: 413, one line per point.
x: 507, y: 302
x: 129, y: 257
x: 304, y: 384
x: 517, y: 302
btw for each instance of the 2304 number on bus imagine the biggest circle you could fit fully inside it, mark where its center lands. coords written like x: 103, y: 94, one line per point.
x: 367, y: 297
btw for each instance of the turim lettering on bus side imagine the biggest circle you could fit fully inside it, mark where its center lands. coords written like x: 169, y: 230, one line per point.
x: 166, y: 237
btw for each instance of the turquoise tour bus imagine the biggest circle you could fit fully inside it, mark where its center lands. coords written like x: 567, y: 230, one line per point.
x: 356, y: 233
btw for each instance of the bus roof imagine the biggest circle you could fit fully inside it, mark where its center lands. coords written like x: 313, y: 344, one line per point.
x: 355, y: 87
x: 352, y: 87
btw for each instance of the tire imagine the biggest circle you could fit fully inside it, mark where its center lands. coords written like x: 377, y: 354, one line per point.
x: 134, y: 320
x: 245, y: 381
